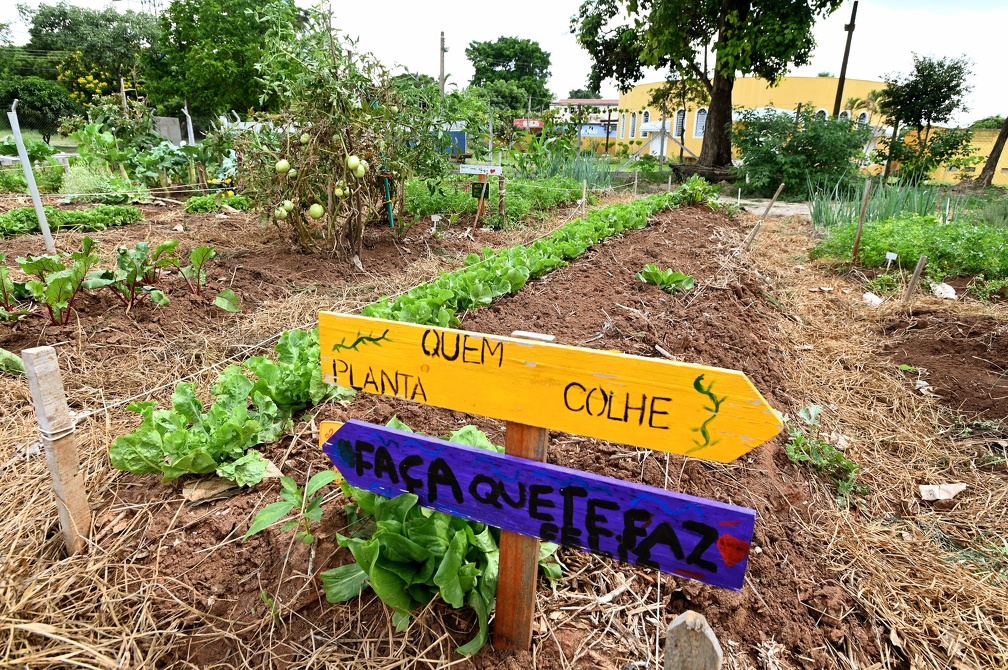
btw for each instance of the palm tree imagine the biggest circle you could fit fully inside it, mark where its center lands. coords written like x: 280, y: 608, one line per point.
x: 868, y: 104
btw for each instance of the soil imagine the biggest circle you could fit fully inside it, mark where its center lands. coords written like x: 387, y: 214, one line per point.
x: 791, y: 601
x: 963, y: 358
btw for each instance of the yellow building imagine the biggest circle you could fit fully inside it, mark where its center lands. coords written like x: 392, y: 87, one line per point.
x: 983, y: 142
x: 640, y: 123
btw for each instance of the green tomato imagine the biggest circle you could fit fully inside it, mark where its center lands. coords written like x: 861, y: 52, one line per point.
x: 352, y: 162
x: 305, y: 138
x: 360, y: 172
x: 282, y: 166
x: 288, y: 205
x: 280, y: 213
x: 394, y: 109
x: 316, y: 211
x: 292, y: 173
x: 338, y: 192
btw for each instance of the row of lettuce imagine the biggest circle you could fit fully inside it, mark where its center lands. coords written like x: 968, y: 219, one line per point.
x: 405, y: 554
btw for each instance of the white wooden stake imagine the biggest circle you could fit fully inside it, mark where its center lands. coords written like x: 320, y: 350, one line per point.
x: 57, y: 429
x: 30, y: 178
x: 635, y: 183
x: 584, y: 197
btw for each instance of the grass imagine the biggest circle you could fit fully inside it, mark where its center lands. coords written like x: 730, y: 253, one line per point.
x: 64, y: 144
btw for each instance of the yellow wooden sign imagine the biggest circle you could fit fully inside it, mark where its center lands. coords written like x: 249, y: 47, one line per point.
x: 700, y: 411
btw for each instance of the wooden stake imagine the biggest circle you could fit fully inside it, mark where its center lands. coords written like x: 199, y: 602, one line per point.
x: 759, y: 224
x: 921, y: 262
x: 56, y: 426
x: 776, y: 195
x: 860, y: 223
x: 584, y: 197
x: 635, y: 183
x: 519, y: 555
x: 670, y: 183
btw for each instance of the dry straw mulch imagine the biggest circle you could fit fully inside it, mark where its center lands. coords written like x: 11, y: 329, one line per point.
x: 906, y: 562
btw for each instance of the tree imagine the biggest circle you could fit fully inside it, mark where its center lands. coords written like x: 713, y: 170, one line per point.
x: 987, y: 174
x: 207, y: 55
x: 761, y: 37
x: 508, y: 65
x: 94, y: 48
x: 932, y: 94
x: 988, y: 123
x: 41, y: 103
x: 583, y: 94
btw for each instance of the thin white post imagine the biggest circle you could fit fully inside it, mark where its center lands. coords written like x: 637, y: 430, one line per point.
x: 30, y: 178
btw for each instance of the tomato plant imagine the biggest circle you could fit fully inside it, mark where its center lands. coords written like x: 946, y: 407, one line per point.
x: 348, y: 133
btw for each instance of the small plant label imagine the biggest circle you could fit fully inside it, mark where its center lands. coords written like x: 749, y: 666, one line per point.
x: 675, y: 533
x: 481, y: 169
x: 683, y: 408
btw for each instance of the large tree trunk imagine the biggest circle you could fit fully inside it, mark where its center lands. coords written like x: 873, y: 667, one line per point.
x: 987, y: 174
x: 716, y: 151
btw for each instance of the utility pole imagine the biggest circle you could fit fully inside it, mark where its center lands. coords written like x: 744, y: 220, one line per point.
x: 843, y: 68
x: 443, y: 51
x: 661, y: 136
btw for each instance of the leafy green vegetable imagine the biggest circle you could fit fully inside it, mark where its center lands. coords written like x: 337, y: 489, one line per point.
x: 56, y: 284
x: 408, y: 555
x: 24, y: 220
x: 666, y: 280
x: 228, y: 301
x: 187, y: 439
x: 136, y: 271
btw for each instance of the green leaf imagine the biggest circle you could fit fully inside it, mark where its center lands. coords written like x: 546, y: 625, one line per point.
x: 474, y: 437
x: 343, y: 583
x: 10, y: 362
x: 158, y: 297
x: 248, y: 470
x: 447, y: 576
x: 394, y: 422
x: 320, y: 479
x: 268, y: 516
x: 228, y: 301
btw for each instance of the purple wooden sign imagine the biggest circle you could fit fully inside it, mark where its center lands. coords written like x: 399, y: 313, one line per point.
x: 680, y: 534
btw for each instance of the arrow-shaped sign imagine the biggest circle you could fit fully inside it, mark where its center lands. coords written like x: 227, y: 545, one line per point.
x: 680, y: 534
x: 705, y: 412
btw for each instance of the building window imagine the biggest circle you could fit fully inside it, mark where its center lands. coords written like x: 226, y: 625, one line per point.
x: 821, y: 115
x: 645, y: 118
x: 845, y: 114
x: 680, y: 123
x: 622, y: 125
x: 952, y: 168
x: 969, y: 169
x: 862, y: 119
x: 633, y: 124
x: 701, y: 123
x: 1004, y: 170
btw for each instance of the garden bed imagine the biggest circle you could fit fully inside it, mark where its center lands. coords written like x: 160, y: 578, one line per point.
x: 168, y: 583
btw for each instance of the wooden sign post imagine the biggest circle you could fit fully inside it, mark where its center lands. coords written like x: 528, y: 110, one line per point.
x: 534, y: 386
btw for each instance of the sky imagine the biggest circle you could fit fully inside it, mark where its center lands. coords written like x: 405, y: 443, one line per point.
x: 407, y: 33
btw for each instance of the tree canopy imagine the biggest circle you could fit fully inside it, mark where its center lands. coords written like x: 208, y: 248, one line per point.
x: 583, y: 94
x: 757, y: 37
x: 207, y: 52
x: 92, y: 48
x: 988, y: 123
x: 41, y: 103
x: 931, y: 94
x: 511, y: 69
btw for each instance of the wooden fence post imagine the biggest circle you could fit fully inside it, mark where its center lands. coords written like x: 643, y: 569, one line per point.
x: 57, y: 428
x: 519, y: 555
x: 635, y: 183
x: 690, y: 644
x: 584, y: 197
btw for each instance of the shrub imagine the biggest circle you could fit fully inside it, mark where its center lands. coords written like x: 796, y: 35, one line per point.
x: 776, y: 149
